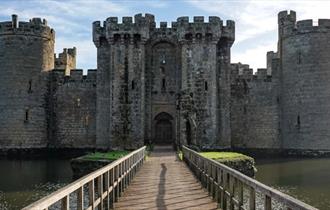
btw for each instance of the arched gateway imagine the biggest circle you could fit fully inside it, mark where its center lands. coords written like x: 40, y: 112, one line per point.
x: 163, y: 125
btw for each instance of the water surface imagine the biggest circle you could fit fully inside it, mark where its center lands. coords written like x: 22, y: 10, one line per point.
x: 25, y: 181
x: 305, y: 179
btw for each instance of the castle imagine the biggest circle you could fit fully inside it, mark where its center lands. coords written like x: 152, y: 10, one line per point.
x: 165, y: 85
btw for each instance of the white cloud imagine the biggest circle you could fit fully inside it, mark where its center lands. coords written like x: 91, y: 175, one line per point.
x: 86, y: 51
x: 256, y: 22
x: 253, y: 56
x: 156, y: 3
x: 72, y: 21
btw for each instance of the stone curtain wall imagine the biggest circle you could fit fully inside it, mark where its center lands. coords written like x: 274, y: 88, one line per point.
x: 73, y: 113
x: 255, y: 108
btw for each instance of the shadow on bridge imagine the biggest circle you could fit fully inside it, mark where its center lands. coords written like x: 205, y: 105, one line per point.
x: 165, y: 183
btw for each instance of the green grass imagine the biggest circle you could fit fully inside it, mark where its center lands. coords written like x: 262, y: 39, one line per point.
x: 113, y: 155
x: 179, y: 153
x: 224, y: 155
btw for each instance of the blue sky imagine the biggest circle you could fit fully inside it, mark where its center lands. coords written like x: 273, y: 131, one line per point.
x: 256, y: 20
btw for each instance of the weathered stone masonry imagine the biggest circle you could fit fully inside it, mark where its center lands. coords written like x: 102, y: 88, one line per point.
x: 26, y: 56
x: 164, y: 85
x: 146, y: 73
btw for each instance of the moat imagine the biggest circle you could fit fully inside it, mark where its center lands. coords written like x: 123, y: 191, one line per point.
x: 24, y: 181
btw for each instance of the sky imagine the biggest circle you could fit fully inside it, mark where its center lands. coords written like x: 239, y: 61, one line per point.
x: 256, y: 20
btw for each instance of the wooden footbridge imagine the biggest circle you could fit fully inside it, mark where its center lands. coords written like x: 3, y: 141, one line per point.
x: 162, y: 181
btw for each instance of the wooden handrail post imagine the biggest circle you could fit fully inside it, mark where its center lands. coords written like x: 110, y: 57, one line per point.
x: 126, y: 173
x: 268, y: 202
x: 65, y: 203
x: 224, y: 183
x: 252, y: 199
x: 112, y: 193
x: 100, y: 190
x: 118, y: 183
x: 240, y: 194
x: 225, y: 187
x: 107, y: 181
x: 232, y: 191
x: 91, y: 193
x: 122, y: 178
x: 80, y: 198
x: 217, y: 192
x: 208, y: 178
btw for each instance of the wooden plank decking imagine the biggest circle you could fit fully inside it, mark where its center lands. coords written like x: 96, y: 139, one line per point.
x: 164, y: 182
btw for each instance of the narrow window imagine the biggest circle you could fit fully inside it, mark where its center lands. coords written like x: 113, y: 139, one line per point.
x: 163, y: 84
x: 206, y: 86
x: 116, y: 37
x: 27, y: 115
x: 127, y: 38
x: 188, y: 37
x: 30, y: 86
x: 133, y: 84
x: 137, y: 38
x: 245, y: 110
x: 208, y: 37
x: 299, y: 57
x: 298, y: 121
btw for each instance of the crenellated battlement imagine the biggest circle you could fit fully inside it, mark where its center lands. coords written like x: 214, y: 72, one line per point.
x: 75, y: 75
x: 141, y: 28
x: 66, y: 60
x: 287, y: 17
x: 244, y: 72
x: 288, y: 26
x: 35, y: 27
x: 128, y: 29
x: 199, y: 29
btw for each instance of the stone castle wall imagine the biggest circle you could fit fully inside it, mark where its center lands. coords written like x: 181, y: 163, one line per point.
x: 121, y: 81
x: 66, y: 60
x: 177, y: 78
x: 72, y: 109
x: 26, y: 55
x: 305, y: 97
x: 195, y: 58
x: 255, y: 108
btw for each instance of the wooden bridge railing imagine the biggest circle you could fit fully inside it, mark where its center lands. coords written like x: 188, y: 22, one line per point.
x: 234, y: 190
x: 103, y: 186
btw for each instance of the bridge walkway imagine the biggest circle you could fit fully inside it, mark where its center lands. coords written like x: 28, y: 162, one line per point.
x: 164, y: 182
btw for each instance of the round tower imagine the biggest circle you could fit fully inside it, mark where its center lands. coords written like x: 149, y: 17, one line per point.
x: 26, y: 54
x: 305, y: 86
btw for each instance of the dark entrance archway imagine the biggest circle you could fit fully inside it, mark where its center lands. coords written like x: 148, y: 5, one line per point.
x: 163, y: 128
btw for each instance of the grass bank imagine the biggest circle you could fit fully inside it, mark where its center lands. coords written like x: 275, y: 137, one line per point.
x: 225, y: 156
x: 237, y: 161
x: 112, y: 155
